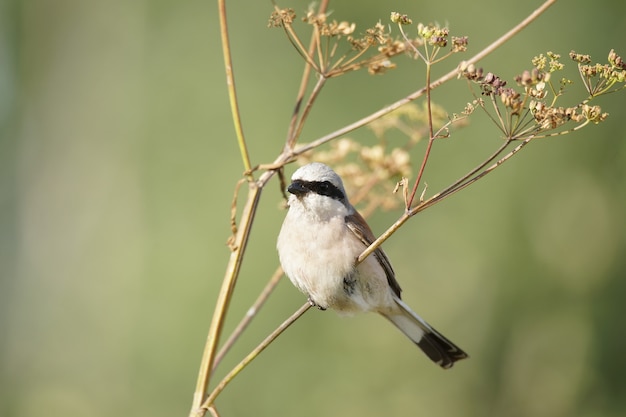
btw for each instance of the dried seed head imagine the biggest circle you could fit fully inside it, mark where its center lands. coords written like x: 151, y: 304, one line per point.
x: 616, y: 60
x: 580, y: 58
x: 459, y: 44
x: 380, y: 67
x: 531, y: 78
x: 281, y: 18
x: 594, y: 113
x: 401, y: 19
x: 470, y: 71
x: 433, y: 35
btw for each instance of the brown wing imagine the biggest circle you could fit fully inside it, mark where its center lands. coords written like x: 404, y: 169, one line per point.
x: 357, y: 225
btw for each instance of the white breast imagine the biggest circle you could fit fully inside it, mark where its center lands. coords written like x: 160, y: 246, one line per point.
x: 318, y: 252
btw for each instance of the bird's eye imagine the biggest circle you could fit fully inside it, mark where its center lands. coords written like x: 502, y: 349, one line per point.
x: 328, y: 189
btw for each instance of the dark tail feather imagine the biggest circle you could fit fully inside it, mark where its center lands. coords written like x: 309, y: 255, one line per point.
x: 439, y: 349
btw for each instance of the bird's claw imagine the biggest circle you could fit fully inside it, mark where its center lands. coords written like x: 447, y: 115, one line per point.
x: 314, y: 304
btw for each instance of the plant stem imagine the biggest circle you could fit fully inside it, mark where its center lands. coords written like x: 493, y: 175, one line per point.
x: 295, y: 126
x: 228, y: 284
x: 213, y: 411
x: 224, y: 297
x: 466, y: 180
x: 252, y: 355
x: 307, y: 108
x: 251, y: 313
x: 451, y: 189
x: 431, y: 137
x: 230, y: 83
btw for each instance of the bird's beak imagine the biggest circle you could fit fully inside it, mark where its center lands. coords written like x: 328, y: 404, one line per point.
x: 297, y: 188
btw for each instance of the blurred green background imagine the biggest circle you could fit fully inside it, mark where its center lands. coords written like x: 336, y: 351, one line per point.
x: 117, y: 168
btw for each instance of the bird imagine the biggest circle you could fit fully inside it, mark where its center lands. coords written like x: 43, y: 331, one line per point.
x: 319, y: 241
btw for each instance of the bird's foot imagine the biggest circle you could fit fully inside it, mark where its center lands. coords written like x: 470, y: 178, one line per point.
x: 314, y: 304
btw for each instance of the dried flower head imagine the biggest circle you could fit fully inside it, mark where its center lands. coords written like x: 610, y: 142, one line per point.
x: 533, y: 113
x: 401, y: 19
x: 531, y: 78
x: 459, y: 44
x: 332, y: 60
x: 616, y: 61
x: 470, y: 71
x: 580, y: 58
x: 549, y: 61
x: 380, y: 67
x: 433, y: 34
x: 471, y: 107
x: 281, y: 18
x: 601, y: 78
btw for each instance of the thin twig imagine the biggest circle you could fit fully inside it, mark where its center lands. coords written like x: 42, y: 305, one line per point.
x: 459, y: 185
x: 213, y: 411
x: 250, y: 314
x: 230, y: 82
x: 309, y: 105
x: 449, y: 190
x: 291, y: 136
x: 252, y: 355
x: 296, y: 109
x: 297, y: 44
x: 431, y: 137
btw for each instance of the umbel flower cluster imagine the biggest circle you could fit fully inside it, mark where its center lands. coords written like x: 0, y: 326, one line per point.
x: 530, y: 110
x: 372, y: 50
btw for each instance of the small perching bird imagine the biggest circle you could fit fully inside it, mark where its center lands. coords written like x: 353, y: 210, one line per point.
x: 318, y: 245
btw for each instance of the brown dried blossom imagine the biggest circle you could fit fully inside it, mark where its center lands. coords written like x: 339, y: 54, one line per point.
x: 281, y: 18
x: 539, y: 96
x: 401, y: 18
x: 330, y: 59
x: 433, y: 34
